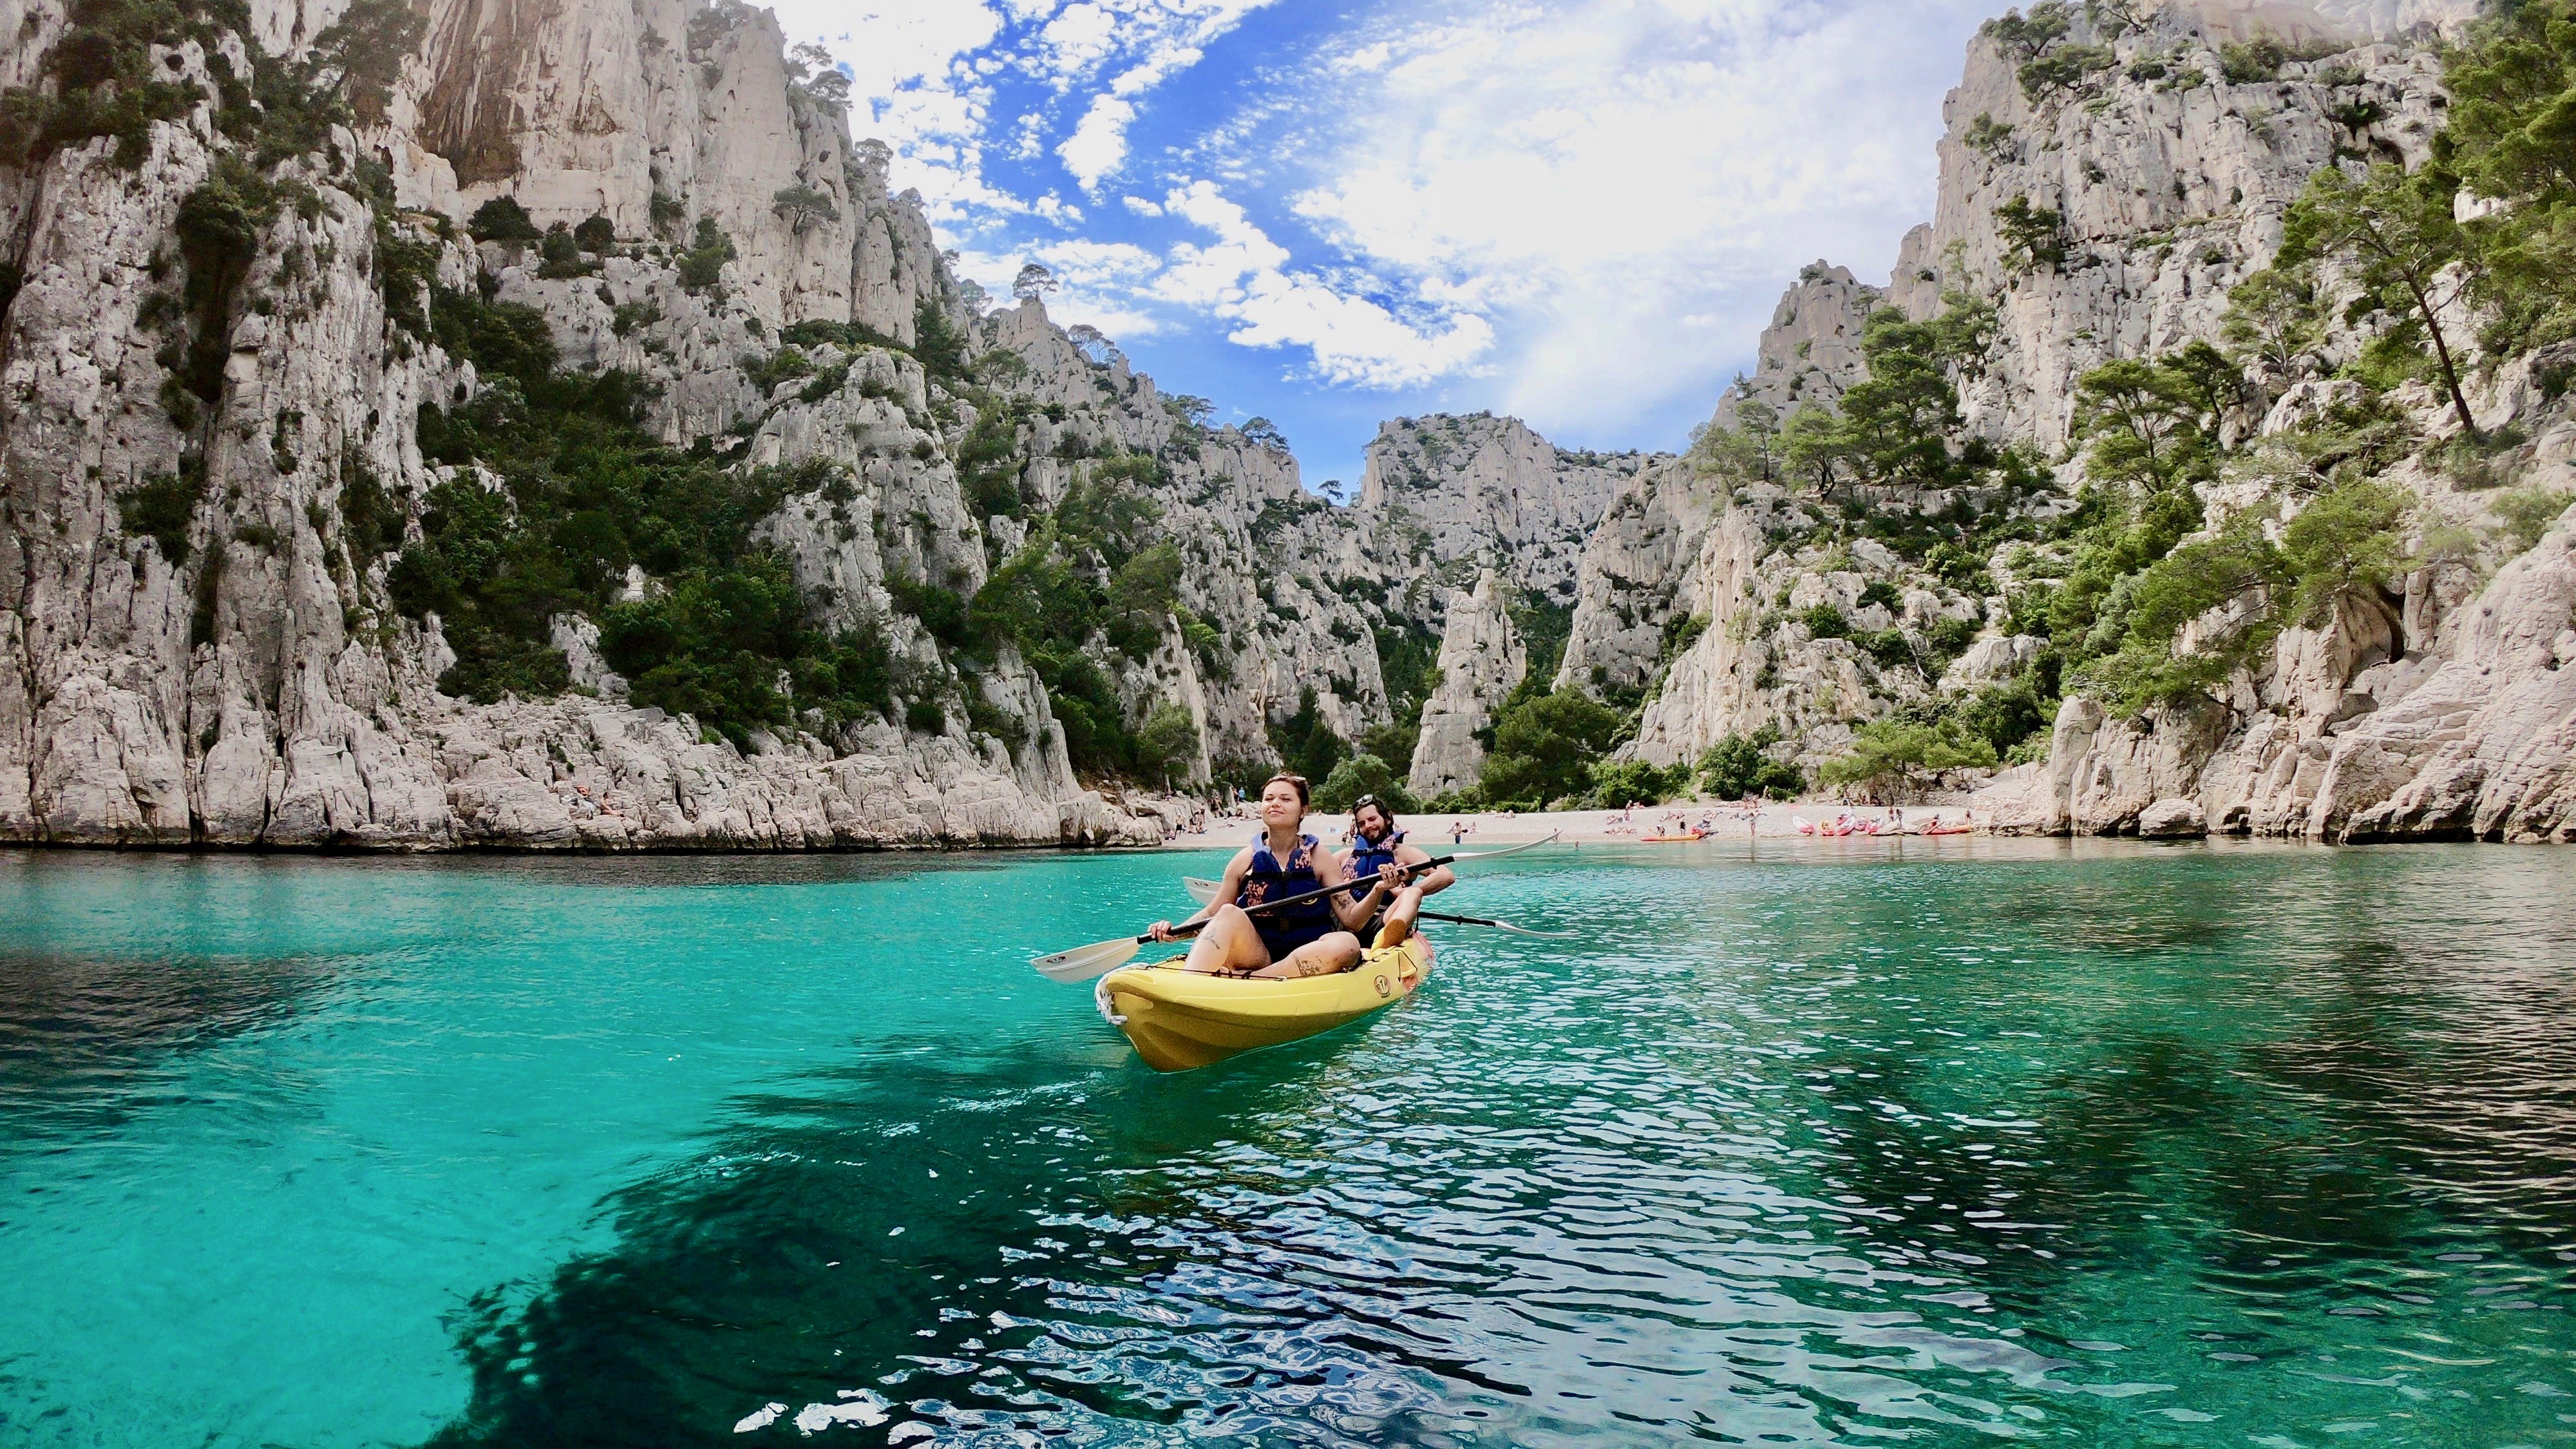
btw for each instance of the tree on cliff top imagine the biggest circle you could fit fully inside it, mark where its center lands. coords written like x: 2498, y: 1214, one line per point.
x: 363, y: 52
x: 1894, y: 425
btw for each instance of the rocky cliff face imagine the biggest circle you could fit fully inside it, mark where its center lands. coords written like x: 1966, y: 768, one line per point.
x: 2155, y: 180
x: 229, y: 331
x: 1811, y: 351
x: 1469, y: 493
x: 1481, y: 662
x: 2449, y: 716
x: 579, y: 110
x: 2170, y: 190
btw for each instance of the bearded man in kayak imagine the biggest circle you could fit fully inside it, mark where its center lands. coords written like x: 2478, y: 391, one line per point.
x: 1374, y: 865
x: 1312, y: 938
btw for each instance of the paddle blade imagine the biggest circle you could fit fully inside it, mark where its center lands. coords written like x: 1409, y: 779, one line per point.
x: 1086, y: 962
x: 1201, y: 891
x: 1526, y: 931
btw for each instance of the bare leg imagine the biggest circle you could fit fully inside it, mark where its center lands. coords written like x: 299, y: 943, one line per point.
x: 1339, y: 951
x: 1229, y: 943
x: 1400, y: 916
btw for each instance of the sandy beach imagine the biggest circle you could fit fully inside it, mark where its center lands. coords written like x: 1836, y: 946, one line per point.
x: 1722, y: 822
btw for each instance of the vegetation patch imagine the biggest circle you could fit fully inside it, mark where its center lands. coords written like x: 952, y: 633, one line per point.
x: 585, y: 492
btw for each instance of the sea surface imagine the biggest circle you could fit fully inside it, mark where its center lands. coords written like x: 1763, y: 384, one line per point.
x: 1864, y: 1143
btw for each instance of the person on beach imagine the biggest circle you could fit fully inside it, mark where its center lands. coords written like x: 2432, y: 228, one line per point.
x: 1376, y: 846
x: 1312, y: 938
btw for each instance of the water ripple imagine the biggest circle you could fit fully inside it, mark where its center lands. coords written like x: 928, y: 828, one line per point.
x: 2076, y: 1144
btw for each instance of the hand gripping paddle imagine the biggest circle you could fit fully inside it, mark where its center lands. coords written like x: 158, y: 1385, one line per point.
x: 1083, y: 963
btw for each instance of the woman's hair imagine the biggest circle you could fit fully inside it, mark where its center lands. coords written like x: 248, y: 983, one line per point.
x: 1295, y: 781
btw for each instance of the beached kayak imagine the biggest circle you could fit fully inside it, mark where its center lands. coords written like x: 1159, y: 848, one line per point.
x: 1687, y: 837
x: 1184, y: 1019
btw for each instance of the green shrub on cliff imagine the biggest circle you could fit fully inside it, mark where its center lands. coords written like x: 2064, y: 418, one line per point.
x: 585, y: 493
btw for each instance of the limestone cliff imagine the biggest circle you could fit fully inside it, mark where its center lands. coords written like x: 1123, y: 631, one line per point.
x: 1811, y: 351
x: 255, y: 373
x: 1468, y: 493
x: 2168, y: 182
x: 2097, y: 207
x: 1481, y: 661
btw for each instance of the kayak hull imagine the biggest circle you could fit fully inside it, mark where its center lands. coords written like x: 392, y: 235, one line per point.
x: 1182, y: 1020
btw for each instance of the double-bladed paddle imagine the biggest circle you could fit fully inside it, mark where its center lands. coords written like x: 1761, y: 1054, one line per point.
x: 1083, y: 963
x: 1499, y: 926
x: 1204, y: 891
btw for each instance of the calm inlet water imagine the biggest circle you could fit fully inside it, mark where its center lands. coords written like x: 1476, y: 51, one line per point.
x: 2088, y: 1144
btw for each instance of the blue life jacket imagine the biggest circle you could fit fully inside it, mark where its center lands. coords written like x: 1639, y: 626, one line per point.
x: 1284, y: 931
x: 1367, y: 860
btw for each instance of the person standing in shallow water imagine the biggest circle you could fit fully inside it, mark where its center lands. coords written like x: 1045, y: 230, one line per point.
x: 1313, y: 938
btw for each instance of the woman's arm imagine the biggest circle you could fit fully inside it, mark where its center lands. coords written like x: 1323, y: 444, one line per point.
x: 1349, y: 913
x: 1352, y: 911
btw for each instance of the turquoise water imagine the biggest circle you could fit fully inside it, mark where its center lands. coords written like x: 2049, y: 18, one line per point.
x: 1946, y: 1143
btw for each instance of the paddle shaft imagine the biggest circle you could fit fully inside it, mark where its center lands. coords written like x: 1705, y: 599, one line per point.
x: 1192, y: 928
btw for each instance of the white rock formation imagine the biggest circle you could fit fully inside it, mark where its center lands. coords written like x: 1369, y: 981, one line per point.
x: 591, y: 109
x: 1486, y: 492
x: 2170, y: 195
x: 1992, y: 660
x: 247, y: 682
x: 1811, y: 351
x: 1481, y: 662
x: 2175, y: 819
x: 2442, y: 713
x: 2461, y: 726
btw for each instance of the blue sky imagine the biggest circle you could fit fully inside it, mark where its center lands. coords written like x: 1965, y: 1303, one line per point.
x: 1330, y: 212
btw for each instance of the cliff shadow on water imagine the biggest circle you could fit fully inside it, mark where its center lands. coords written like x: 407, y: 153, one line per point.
x: 984, y: 1233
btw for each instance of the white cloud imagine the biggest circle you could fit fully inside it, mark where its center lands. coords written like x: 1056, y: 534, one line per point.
x: 1079, y: 37
x: 1588, y: 172
x: 1099, y: 144
x: 1170, y: 37
x: 1242, y: 277
x: 925, y: 73
x: 914, y: 85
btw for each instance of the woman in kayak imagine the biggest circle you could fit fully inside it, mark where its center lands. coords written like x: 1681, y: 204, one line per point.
x: 1309, y: 939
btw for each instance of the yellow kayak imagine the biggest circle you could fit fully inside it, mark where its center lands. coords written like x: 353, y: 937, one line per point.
x: 1184, y: 1019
